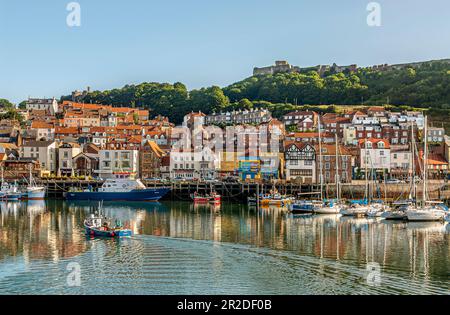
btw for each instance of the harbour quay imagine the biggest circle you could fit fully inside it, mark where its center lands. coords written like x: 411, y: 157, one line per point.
x: 239, y: 191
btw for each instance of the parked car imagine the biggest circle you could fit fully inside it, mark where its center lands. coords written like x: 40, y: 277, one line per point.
x: 394, y: 181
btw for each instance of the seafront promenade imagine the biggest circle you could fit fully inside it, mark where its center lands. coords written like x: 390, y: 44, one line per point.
x: 239, y: 191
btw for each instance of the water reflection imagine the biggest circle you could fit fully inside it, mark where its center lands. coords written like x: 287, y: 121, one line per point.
x: 53, y: 231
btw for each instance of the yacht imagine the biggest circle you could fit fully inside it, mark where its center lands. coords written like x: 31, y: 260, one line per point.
x: 428, y: 210
x: 357, y: 210
x: 397, y: 213
x: 329, y: 207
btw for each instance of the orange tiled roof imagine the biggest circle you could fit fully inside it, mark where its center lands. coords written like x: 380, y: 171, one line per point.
x: 41, y: 125
x: 362, y: 142
x: 66, y: 130
x: 436, y: 159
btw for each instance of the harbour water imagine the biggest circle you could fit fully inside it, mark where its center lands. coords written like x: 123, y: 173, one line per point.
x: 181, y: 249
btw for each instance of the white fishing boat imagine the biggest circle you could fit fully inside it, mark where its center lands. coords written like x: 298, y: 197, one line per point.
x: 34, y: 192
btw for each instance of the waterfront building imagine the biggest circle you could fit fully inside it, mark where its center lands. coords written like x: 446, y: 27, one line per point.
x: 119, y: 157
x: 249, y: 168
x: 300, y: 162
x: 271, y: 165
x: 18, y: 168
x: 43, y: 151
x: 86, y: 164
x: 438, y: 166
x: 401, y: 161
x: 150, y: 158
x: 329, y: 164
x: 375, y: 155
x: 66, y: 153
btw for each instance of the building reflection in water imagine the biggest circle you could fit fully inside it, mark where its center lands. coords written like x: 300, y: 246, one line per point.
x: 54, y: 230
x: 29, y: 231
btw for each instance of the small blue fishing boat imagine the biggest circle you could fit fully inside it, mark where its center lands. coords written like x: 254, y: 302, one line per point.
x: 102, y: 227
x: 304, y: 206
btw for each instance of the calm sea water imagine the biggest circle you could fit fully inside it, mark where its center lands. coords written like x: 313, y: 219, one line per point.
x: 180, y: 249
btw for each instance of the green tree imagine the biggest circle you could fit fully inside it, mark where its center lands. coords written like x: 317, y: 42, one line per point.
x: 5, y: 104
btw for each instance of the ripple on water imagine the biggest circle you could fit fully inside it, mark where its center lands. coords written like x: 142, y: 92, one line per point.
x: 151, y: 265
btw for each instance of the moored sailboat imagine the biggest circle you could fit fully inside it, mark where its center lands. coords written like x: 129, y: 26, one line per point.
x: 428, y: 210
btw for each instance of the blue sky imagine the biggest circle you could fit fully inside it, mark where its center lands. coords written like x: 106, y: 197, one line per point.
x: 202, y: 42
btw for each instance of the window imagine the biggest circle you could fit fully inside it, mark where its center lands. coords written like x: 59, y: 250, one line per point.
x: 301, y: 173
x: 308, y: 163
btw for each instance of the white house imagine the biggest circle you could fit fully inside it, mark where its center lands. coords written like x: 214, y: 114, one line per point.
x: 44, y: 131
x: 190, y: 165
x: 66, y: 153
x: 43, y: 151
x: 118, y: 160
x: 375, y: 155
x: 48, y: 104
x: 401, y: 160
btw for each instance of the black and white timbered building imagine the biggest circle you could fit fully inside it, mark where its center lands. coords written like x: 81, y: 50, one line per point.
x: 300, y: 162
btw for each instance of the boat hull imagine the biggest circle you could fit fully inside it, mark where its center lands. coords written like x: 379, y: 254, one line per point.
x: 394, y: 215
x: 425, y: 215
x: 101, y: 233
x: 327, y: 210
x: 134, y: 195
x: 35, y: 195
x: 302, y: 208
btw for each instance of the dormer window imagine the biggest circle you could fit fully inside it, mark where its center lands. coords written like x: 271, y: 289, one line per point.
x: 381, y: 145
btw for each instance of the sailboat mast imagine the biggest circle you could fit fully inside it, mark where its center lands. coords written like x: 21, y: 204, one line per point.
x: 425, y: 161
x: 337, y: 169
x: 320, y: 161
x: 366, y: 171
x: 413, y: 155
